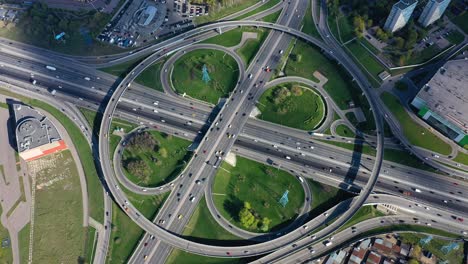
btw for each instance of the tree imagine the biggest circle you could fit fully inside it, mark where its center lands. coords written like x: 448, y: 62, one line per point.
x: 416, y: 251
x: 359, y: 26
x: 138, y: 168
x: 246, y: 216
x: 399, y: 42
x: 411, y: 38
x: 413, y: 261
x: 265, y: 224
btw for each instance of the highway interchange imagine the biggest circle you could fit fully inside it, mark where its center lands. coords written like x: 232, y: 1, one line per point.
x: 249, y: 143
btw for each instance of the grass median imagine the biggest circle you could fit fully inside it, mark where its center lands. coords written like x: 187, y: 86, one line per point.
x: 292, y: 105
x: 415, y: 133
x: 461, y: 158
x: 251, y: 46
x: 306, y: 59
x: 222, y: 69
x: 260, y: 185
x: 153, y: 158
x: 125, y: 234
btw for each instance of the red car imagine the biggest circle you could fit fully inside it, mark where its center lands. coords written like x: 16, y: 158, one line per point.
x: 460, y: 219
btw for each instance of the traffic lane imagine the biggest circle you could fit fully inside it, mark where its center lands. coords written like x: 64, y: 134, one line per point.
x: 387, y: 184
x: 221, y: 120
x: 325, y: 151
x: 455, y: 186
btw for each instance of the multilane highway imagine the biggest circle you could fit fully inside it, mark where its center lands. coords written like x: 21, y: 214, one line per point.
x: 208, y: 133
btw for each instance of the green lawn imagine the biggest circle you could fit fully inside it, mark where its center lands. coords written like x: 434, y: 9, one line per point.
x: 416, y: 134
x: 371, y: 66
x: 359, y: 148
x: 251, y: 46
x: 260, y: 185
x: 460, y: 21
x: 122, y: 69
x: 124, y: 236
x: 59, y: 236
x: 345, y: 28
x: 225, y: 10
x: 309, y: 25
x: 222, y: 68
x: 171, y: 155
x: 461, y: 158
x: 181, y: 257
x: 23, y: 243
x: 151, y: 77
x: 91, y: 240
x: 264, y: 7
x: 364, y: 213
x: 338, y: 86
x: 228, y: 38
x: 425, y: 55
x: 272, y: 18
x: 6, y: 254
x: 455, y: 256
x: 344, y: 131
x: 292, y: 105
x: 125, y: 233
x: 324, y: 197
x: 405, y: 158
x: 203, y: 228
x: 95, y: 193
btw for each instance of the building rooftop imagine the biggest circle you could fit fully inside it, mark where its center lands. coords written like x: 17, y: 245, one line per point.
x: 446, y: 94
x: 32, y: 128
x: 373, y: 258
x: 403, y: 4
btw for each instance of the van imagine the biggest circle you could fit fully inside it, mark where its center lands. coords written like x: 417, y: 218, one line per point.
x: 87, y: 78
x: 301, y: 179
x: 250, y: 76
x: 327, y: 243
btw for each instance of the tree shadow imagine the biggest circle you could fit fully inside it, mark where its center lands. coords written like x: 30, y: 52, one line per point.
x: 233, y: 206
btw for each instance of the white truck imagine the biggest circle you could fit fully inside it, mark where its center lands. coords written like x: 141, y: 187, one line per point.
x: 50, y: 68
x: 327, y: 243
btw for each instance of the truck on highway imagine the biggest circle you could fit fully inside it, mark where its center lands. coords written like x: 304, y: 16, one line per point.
x: 317, y: 134
x: 327, y: 243
x: 50, y: 68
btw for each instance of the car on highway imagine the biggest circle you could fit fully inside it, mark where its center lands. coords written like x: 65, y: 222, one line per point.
x: 179, y: 216
x: 287, y: 157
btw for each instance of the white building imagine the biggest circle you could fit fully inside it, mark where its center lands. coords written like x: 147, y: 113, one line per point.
x: 433, y: 10
x: 400, y: 15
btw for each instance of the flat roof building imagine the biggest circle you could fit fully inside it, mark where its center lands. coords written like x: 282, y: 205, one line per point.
x: 433, y: 10
x: 36, y: 136
x: 443, y: 101
x: 400, y: 15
